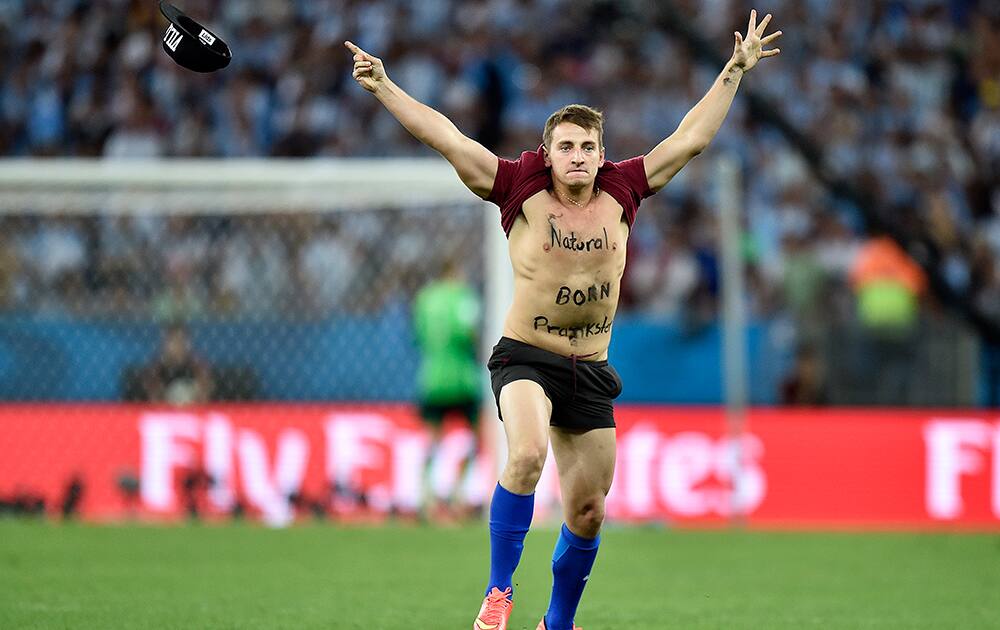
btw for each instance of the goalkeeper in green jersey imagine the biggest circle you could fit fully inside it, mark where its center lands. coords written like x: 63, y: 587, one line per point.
x: 446, y: 318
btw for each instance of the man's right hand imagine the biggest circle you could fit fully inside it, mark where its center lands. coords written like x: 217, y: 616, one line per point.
x: 368, y: 69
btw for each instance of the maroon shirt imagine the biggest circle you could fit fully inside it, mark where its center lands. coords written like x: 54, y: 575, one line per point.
x: 517, y: 180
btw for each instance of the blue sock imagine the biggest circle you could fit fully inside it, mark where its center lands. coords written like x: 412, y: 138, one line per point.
x: 571, y: 564
x: 510, y: 517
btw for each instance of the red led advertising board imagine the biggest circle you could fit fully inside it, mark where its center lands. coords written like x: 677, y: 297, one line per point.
x: 829, y: 468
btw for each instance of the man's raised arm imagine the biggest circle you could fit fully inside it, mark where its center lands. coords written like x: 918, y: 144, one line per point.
x: 476, y: 165
x: 703, y: 121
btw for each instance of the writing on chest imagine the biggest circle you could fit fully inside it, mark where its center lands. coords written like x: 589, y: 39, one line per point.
x: 583, y: 239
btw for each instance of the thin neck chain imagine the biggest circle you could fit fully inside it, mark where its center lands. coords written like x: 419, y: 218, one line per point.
x: 596, y: 192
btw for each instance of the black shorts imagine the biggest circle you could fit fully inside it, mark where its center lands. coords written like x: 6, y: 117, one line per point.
x: 434, y: 413
x: 580, y: 391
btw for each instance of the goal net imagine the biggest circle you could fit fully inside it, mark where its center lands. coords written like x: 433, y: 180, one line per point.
x: 290, y: 281
x: 299, y: 272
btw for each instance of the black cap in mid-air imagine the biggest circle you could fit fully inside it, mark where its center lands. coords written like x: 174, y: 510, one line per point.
x: 192, y: 45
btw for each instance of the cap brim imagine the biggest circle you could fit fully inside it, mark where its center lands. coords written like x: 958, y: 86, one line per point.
x: 169, y: 11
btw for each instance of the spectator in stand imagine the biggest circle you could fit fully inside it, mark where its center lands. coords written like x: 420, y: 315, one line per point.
x: 10, y: 268
x: 805, y: 384
x: 889, y: 286
x: 177, y: 376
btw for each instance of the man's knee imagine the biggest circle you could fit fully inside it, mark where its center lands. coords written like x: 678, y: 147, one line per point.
x: 525, y: 463
x: 585, y: 518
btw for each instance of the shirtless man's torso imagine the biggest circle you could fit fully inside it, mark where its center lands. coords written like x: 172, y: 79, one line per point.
x: 568, y: 264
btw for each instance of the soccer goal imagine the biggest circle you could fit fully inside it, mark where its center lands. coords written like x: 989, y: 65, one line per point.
x: 341, y: 242
x: 290, y: 281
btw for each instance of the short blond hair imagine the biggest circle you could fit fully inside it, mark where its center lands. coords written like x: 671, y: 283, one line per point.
x: 586, y: 117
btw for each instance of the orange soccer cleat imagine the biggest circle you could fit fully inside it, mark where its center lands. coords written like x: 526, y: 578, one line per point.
x: 541, y: 625
x: 495, y: 611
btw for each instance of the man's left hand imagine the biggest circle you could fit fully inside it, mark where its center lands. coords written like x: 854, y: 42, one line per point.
x: 750, y: 50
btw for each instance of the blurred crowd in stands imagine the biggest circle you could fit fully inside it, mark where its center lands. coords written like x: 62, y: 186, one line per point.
x: 903, y: 98
x: 186, y: 267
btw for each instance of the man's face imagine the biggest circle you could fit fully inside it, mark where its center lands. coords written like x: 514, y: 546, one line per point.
x: 574, y: 155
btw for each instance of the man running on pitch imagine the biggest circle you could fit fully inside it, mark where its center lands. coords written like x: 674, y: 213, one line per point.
x: 567, y: 213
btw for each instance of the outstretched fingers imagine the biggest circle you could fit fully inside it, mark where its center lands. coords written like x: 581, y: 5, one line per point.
x: 763, y: 25
x: 755, y: 37
x: 767, y: 40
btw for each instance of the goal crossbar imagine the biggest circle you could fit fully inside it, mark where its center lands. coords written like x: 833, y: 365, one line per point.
x: 245, y: 186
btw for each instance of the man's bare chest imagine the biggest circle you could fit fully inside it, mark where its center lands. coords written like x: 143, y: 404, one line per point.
x: 570, y: 239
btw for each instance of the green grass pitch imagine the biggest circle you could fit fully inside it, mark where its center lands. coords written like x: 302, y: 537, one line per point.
x: 396, y: 577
